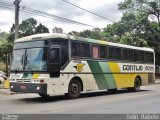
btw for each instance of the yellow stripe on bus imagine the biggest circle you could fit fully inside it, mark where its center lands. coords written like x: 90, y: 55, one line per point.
x: 122, y: 80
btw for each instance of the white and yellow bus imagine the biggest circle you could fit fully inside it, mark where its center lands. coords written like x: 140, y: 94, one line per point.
x: 52, y: 64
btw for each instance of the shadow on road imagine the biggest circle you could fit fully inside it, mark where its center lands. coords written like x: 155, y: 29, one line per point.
x: 83, y: 95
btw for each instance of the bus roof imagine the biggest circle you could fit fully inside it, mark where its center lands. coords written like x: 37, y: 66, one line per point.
x: 67, y: 36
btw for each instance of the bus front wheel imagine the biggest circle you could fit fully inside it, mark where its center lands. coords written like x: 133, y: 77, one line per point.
x: 74, y: 89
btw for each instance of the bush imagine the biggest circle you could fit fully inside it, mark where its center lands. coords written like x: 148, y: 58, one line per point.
x: 2, y: 67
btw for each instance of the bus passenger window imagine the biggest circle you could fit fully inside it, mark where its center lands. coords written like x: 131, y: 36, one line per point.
x: 95, y: 52
x: 124, y: 54
x: 149, y: 58
x: 75, y: 49
x: 103, y: 52
x: 130, y: 55
x: 64, y: 55
x: 117, y: 53
x: 85, y: 50
x: 111, y: 53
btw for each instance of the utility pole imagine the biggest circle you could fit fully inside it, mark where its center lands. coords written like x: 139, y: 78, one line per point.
x: 16, y: 3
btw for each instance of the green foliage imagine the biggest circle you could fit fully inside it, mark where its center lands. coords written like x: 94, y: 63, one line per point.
x: 41, y: 29
x: 3, y: 37
x: 141, y: 6
x: 28, y: 27
x: 131, y: 39
x: 2, y: 67
x: 5, y: 48
x: 113, y: 32
x: 94, y: 33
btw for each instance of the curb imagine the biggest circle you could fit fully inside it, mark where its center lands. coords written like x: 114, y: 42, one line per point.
x: 8, y: 92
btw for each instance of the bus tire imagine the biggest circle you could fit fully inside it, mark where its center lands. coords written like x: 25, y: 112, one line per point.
x: 74, y: 89
x: 43, y: 95
x: 137, y: 84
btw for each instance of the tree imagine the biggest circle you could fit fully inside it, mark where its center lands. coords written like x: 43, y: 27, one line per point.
x: 131, y: 39
x: 28, y: 27
x: 113, y: 32
x: 93, y: 34
x: 144, y: 6
x: 41, y: 29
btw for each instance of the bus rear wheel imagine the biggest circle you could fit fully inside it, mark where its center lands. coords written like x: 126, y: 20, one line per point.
x: 137, y: 84
x: 74, y: 89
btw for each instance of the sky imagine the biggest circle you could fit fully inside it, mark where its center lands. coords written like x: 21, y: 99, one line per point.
x: 106, y: 8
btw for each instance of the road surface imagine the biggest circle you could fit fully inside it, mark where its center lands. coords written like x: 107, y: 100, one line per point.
x: 146, y: 101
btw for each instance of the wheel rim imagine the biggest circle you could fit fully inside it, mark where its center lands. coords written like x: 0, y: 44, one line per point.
x: 74, y: 88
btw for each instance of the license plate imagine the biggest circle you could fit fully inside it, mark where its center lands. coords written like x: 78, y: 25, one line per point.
x: 23, y: 87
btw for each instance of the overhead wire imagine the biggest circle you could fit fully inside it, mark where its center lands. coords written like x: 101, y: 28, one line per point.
x: 88, y: 11
x: 44, y: 14
x: 26, y: 9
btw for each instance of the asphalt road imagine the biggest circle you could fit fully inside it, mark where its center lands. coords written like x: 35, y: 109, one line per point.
x: 146, y: 101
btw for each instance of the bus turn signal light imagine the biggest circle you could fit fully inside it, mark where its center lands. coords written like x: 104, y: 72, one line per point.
x: 41, y: 81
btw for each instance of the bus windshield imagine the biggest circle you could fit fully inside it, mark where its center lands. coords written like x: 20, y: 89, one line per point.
x: 32, y: 59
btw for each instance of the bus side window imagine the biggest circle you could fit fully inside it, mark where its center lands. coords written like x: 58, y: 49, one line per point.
x: 103, y: 52
x: 130, y: 55
x: 111, y: 52
x: 124, y: 54
x: 95, y: 51
x: 117, y: 53
x: 64, y: 55
x: 85, y: 50
x: 76, y: 49
x: 149, y: 58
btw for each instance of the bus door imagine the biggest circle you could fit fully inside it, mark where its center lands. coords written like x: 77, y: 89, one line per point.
x: 54, y: 61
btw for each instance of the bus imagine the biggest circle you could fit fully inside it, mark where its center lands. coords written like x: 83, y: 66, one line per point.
x: 52, y: 64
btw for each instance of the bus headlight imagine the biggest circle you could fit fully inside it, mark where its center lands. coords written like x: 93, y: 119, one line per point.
x: 38, y: 88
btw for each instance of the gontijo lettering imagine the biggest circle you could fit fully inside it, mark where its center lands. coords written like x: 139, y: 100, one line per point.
x: 132, y: 68
x: 137, y: 68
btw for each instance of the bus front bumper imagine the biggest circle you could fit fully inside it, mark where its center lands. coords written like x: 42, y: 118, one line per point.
x: 28, y: 88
